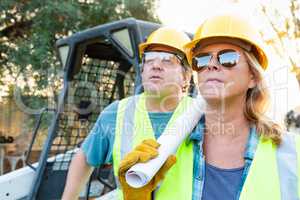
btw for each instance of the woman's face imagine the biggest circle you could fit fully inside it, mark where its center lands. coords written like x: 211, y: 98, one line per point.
x: 217, y: 82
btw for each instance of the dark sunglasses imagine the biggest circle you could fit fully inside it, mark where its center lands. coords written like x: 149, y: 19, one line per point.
x: 228, y: 58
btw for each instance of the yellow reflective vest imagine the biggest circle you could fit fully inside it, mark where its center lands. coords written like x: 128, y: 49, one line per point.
x: 273, y: 173
x: 133, y: 126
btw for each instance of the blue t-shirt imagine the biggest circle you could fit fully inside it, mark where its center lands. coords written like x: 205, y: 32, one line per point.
x: 221, y: 184
x: 98, y: 146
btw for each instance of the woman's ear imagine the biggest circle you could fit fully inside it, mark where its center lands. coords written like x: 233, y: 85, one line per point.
x: 252, y: 80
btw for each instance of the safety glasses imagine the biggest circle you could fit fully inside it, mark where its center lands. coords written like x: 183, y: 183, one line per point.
x: 166, y: 59
x: 228, y: 58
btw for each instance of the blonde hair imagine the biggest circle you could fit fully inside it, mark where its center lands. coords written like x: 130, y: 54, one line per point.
x: 257, y: 101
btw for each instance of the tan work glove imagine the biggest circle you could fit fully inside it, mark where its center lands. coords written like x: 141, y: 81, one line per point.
x: 142, y: 153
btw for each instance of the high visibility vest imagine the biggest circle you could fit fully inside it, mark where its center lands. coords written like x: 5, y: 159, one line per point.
x: 274, y: 171
x: 133, y: 126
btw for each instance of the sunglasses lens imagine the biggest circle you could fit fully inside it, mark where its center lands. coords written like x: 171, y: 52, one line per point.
x: 200, y: 61
x: 229, y: 58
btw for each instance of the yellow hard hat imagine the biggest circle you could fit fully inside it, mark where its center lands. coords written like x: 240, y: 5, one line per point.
x: 168, y: 37
x: 231, y: 26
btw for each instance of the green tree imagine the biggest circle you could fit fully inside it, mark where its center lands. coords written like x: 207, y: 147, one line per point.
x: 285, y: 23
x: 29, y: 29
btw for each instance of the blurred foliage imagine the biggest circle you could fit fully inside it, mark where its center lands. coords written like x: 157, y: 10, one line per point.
x: 29, y: 29
x: 285, y: 23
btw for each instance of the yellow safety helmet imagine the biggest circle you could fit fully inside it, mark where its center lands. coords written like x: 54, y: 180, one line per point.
x: 231, y: 26
x: 168, y: 37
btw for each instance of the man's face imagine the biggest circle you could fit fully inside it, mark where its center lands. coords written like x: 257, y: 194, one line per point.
x: 162, y: 73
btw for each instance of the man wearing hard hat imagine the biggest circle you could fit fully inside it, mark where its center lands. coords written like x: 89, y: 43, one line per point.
x: 132, y: 124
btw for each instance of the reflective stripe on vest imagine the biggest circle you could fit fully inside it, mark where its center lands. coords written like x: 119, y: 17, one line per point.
x: 287, y: 168
x: 128, y: 126
x: 274, y: 171
x: 133, y: 126
x: 128, y: 106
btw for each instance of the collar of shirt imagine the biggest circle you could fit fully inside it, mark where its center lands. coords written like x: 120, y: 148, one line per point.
x: 197, y: 137
x: 198, y: 132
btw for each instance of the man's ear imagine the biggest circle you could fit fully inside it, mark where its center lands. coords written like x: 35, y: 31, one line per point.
x: 141, y: 67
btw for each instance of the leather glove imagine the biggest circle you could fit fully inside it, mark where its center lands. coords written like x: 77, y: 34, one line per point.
x: 142, y: 153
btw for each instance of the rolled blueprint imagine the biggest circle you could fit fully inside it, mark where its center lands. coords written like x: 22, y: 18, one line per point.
x: 140, y: 174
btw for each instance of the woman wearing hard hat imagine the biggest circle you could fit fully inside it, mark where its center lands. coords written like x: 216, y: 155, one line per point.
x: 243, y: 154
x: 238, y: 153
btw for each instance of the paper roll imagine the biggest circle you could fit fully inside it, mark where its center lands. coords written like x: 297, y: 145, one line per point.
x: 140, y: 174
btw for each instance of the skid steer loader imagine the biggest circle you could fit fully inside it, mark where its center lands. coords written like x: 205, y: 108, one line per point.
x: 100, y: 65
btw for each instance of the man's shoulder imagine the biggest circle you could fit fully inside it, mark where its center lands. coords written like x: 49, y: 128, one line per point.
x: 111, y: 108
x: 109, y: 113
